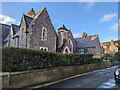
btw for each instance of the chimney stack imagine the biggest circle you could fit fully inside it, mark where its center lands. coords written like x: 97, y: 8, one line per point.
x: 84, y: 35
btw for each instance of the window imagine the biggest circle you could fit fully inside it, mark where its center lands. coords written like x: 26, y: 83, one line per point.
x: 71, y: 45
x: 44, y: 48
x: 69, y: 41
x: 44, y: 34
x: 6, y: 43
x: 15, y: 41
x: 66, y: 51
x: 81, y: 51
x: 22, y: 33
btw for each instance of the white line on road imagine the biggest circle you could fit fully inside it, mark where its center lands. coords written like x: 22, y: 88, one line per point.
x: 109, y: 84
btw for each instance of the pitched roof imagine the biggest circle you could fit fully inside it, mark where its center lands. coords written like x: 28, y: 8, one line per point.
x: 89, y: 41
x: 63, y: 27
x: 15, y: 28
x: 38, y: 13
x: 28, y: 20
x: 5, y: 30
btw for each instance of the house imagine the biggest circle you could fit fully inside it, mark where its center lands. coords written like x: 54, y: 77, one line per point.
x: 89, y: 44
x: 36, y: 31
x: 110, y: 47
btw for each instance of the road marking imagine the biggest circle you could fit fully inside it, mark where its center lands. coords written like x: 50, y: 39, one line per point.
x: 54, y: 82
x: 109, y: 84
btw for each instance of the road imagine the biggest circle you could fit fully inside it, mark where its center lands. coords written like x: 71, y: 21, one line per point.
x: 99, y: 79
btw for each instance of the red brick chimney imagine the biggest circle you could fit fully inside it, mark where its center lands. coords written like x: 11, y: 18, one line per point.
x: 84, y: 35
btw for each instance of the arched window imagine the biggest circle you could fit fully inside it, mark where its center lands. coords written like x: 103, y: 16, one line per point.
x: 44, y: 34
x: 66, y: 51
x: 44, y: 48
x: 69, y: 41
x: 22, y: 32
x: 71, y: 45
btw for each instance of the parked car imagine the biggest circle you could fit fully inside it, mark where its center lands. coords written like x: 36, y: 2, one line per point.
x: 117, y: 74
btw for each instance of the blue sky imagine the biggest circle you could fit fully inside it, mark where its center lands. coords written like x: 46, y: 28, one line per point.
x: 93, y: 17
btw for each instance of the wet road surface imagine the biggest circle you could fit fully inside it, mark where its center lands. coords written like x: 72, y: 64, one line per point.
x: 100, y: 79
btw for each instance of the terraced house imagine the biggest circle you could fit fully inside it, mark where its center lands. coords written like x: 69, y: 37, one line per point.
x: 36, y: 31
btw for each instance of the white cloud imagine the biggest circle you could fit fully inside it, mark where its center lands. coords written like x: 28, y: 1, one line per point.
x: 76, y: 35
x: 114, y: 27
x: 6, y: 19
x: 108, y: 17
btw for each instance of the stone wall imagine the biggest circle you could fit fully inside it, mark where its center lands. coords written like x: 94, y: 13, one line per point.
x: 26, y: 78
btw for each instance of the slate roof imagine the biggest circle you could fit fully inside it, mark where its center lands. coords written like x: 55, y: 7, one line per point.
x: 28, y: 20
x: 38, y: 13
x: 15, y: 29
x: 63, y: 27
x: 89, y: 41
x: 5, y: 30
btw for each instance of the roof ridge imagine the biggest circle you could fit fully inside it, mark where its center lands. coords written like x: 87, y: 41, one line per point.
x: 87, y: 36
x: 28, y: 16
x: 15, y: 25
x: 38, y: 13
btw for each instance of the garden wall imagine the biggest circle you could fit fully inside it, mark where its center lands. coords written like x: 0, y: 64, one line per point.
x: 26, y: 78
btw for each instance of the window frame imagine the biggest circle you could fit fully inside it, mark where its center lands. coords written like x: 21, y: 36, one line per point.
x: 44, y: 48
x: 44, y: 38
x: 83, y: 52
x: 22, y: 32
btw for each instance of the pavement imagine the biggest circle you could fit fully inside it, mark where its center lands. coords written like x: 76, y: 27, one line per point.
x: 97, y: 79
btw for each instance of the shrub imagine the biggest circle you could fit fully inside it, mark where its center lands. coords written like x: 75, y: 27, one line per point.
x: 96, y: 60
x: 117, y: 56
x: 19, y: 59
x: 108, y: 56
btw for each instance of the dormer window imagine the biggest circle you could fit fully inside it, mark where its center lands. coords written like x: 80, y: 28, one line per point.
x: 44, y: 34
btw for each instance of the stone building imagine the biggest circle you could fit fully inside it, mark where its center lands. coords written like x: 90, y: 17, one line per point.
x: 4, y: 32
x: 110, y: 47
x: 36, y: 31
x: 89, y: 44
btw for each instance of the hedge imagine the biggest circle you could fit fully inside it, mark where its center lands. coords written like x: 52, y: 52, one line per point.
x: 117, y: 56
x: 19, y: 59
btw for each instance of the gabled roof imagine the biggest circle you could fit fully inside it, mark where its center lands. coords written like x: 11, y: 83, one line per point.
x: 38, y: 13
x: 87, y: 42
x: 15, y: 28
x: 63, y: 27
